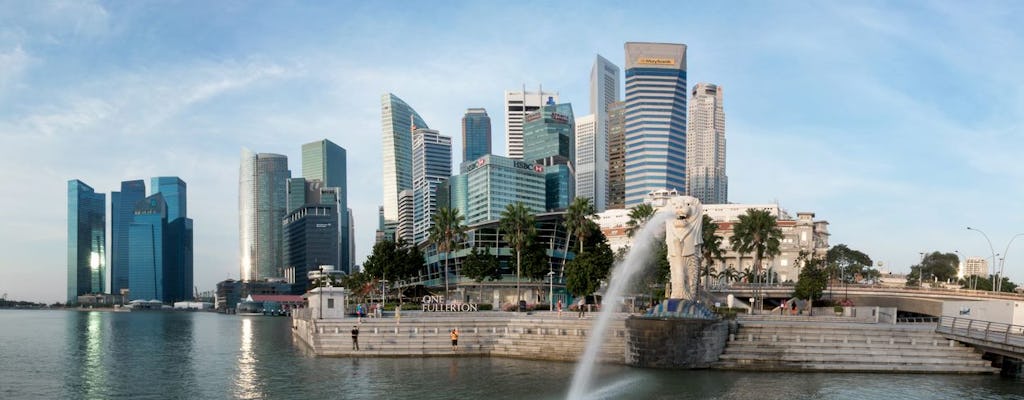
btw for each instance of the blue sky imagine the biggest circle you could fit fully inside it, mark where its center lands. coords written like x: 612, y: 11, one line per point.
x: 900, y: 123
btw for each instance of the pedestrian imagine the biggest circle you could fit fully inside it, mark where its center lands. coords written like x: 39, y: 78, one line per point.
x: 559, y: 308
x: 455, y: 339
x: 581, y: 304
x: 355, y: 337
x: 359, y: 312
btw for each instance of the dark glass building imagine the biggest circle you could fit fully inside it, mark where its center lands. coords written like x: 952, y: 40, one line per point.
x: 549, y: 140
x: 87, y: 240
x: 122, y: 208
x: 476, y: 134
x: 326, y: 162
x: 310, y: 240
x: 146, y: 238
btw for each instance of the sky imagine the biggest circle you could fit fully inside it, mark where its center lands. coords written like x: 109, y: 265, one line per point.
x: 900, y: 123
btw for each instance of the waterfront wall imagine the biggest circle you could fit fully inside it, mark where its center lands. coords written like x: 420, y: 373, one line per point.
x: 674, y: 343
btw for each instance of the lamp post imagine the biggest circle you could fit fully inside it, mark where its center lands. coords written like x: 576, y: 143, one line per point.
x: 383, y: 292
x: 990, y: 248
x: 551, y: 289
x: 920, y: 271
x: 1002, y: 262
x: 321, y: 296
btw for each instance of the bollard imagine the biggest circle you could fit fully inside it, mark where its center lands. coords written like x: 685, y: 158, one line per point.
x: 798, y: 338
x: 913, y: 342
x: 935, y: 343
x: 869, y: 340
x: 416, y: 330
x: 336, y: 331
x: 952, y: 344
x: 846, y: 339
x: 374, y: 331
x: 821, y: 339
x: 750, y: 337
x: 732, y: 337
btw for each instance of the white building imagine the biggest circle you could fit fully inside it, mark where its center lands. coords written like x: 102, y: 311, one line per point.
x: 517, y: 105
x: 431, y: 166
x: 973, y: 266
x: 587, y: 162
x: 604, y: 91
x: 705, y: 146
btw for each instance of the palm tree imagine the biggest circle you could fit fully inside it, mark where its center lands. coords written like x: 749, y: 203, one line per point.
x: 756, y: 232
x: 518, y: 227
x: 710, y: 249
x: 579, y: 218
x: 446, y: 232
x: 638, y: 215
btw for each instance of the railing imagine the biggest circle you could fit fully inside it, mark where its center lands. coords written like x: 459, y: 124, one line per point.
x: 994, y: 332
x: 917, y: 320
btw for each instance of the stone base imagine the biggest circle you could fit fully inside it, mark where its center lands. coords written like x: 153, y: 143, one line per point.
x: 675, y: 343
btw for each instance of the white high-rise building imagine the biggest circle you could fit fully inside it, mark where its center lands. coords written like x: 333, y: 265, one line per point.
x: 705, y: 146
x: 262, y: 204
x: 588, y: 160
x: 973, y: 266
x: 398, y: 120
x: 517, y: 105
x: 592, y: 140
x: 431, y: 166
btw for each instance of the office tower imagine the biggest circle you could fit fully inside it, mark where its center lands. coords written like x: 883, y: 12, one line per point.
x: 705, y: 146
x: 517, y: 106
x: 398, y: 120
x: 431, y: 165
x: 327, y: 162
x: 587, y: 157
x: 617, y: 155
x: 351, y: 241
x: 604, y: 90
x: 262, y: 198
x: 493, y: 182
x: 548, y: 139
x: 177, y: 246
x: 87, y: 240
x: 406, y: 217
x: 122, y: 211
x: 476, y: 134
x: 147, y: 236
x: 310, y: 240
x: 656, y: 111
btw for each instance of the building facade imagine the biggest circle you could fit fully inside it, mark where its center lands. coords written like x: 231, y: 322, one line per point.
x: 404, y: 231
x: 476, y: 134
x: 484, y: 188
x: 327, y: 162
x: 122, y: 209
x: 517, y: 105
x: 655, y: 119
x: 178, y: 243
x: 310, y: 240
x: 549, y: 140
x: 147, y: 236
x: 263, y: 198
x: 604, y: 90
x: 705, y: 146
x: 617, y: 155
x: 87, y: 241
x: 431, y: 166
x: 398, y: 121
x: 974, y: 266
x: 587, y: 156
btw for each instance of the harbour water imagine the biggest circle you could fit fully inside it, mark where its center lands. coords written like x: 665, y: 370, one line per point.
x: 183, y: 355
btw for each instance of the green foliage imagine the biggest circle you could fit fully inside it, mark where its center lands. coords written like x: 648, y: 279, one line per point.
x: 358, y: 283
x: 638, y: 215
x: 393, y: 261
x: 585, y: 273
x: 579, y: 219
x: 849, y: 264
x: 518, y: 229
x: 711, y: 248
x: 756, y: 232
x: 985, y: 283
x: 446, y: 232
x: 485, y: 307
x: 813, y: 278
x: 934, y: 266
x: 535, y: 261
x: 481, y: 265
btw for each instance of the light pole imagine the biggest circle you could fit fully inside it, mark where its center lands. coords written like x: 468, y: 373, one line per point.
x: 993, y: 253
x: 551, y: 289
x: 1002, y: 262
x: 321, y: 296
x: 383, y: 292
x: 920, y: 271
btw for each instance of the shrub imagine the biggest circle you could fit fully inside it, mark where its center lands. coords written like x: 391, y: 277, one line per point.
x: 485, y: 307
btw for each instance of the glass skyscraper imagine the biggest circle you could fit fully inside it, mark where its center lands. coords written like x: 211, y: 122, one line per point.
x: 655, y: 119
x: 147, y: 239
x: 493, y: 182
x: 122, y: 209
x: 262, y: 198
x: 398, y: 120
x: 617, y: 155
x: 175, y: 193
x: 549, y: 140
x: 327, y: 162
x: 476, y: 134
x: 431, y: 165
x: 177, y: 274
x: 87, y: 241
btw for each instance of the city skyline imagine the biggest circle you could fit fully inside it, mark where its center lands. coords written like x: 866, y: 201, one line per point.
x: 902, y: 121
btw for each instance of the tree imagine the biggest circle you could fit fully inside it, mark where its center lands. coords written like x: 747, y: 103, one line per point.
x: 358, y: 283
x: 638, y: 216
x: 479, y: 266
x: 446, y: 232
x: 536, y: 262
x: 585, y: 272
x: 934, y: 266
x: 579, y: 219
x: 711, y: 248
x: 813, y: 278
x: 393, y: 261
x: 756, y: 232
x: 518, y: 229
x: 848, y: 263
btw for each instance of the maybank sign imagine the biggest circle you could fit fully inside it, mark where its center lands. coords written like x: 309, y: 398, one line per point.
x: 655, y: 61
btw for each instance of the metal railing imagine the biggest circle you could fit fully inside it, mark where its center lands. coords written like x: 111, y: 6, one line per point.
x: 994, y: 332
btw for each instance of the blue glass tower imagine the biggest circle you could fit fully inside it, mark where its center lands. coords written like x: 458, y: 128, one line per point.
x: 476, y: 134
x: 87, y: 240
x: 175, y: 194
x: 549, y: 140
x: 655, y: 119
x: 146, y: 237
x: 122, y: 208
x: 327, y: 162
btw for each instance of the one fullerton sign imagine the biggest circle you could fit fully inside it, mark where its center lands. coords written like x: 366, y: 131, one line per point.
x: 437, y: 304
x: 655, y: 61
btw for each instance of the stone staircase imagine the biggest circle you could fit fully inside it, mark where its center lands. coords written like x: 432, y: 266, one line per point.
x: 842, y: 345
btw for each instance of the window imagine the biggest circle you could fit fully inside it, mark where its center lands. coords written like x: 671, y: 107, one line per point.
x: 330, y: 303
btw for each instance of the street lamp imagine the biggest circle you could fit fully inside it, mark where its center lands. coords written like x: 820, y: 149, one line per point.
x: 1002, y: 261
x: 990, y: 249
x: 920, y: 271
x: 321, y: 296
x: 551, y: 289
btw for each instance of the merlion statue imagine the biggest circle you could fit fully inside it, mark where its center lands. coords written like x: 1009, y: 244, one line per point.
x: 683, y: 237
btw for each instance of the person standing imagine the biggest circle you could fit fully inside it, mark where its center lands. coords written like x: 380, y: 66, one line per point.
x: 355, y: 337
x: 559, y: 308
x: 359, y: 312
x: 455, y: 339
x: 582, y: 303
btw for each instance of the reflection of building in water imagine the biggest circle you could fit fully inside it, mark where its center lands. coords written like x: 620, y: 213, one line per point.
x: 247, y: 383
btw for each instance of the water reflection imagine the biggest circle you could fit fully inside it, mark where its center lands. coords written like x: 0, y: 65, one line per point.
x: 94, y: 372
x: 247, y: 384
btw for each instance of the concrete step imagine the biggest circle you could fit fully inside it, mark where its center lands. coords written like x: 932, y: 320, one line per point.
x: 855, y: 359
x: 832, y: 367
x: 880, y: 351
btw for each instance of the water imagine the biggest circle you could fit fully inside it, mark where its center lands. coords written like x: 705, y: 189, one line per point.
x: 155, y: 355
x: 643, y: 246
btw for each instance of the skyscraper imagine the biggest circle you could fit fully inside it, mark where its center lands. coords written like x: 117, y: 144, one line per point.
x: 655, y: 119
x: 705, y: 146
x: 87, y: 240
x: 604, y: 90
x: 175, y: 194
x: 147, y: 236
x: 398, y: 120
x: 587, y: 157
x: 493, y: 182
x: 262, y: 198
x: 431, y: 165
x: 617, y: 155
x: 310, y: 240
x: 177, y: 245
x: 548, y: 140
x: 122, y: 208
x: 517, y: 106
x: 325, y: 161
x: 476, y: 134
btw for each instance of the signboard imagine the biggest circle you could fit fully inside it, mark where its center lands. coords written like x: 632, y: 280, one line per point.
x: 655, y: 61
x: 437, y: 304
